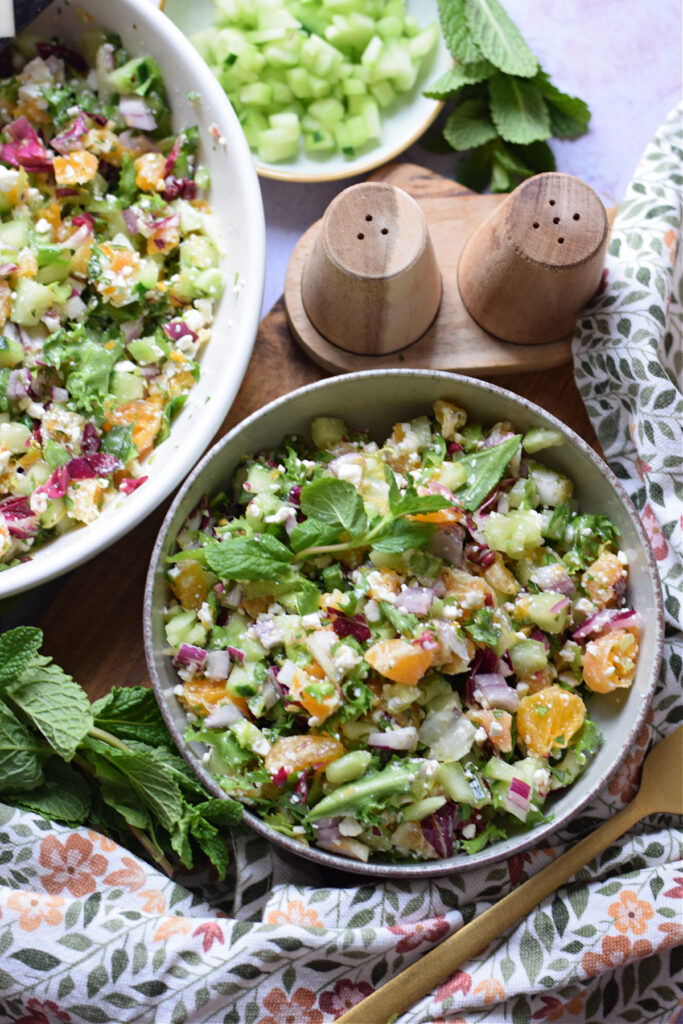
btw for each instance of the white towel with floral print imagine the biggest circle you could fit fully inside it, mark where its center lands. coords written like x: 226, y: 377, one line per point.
x: 88, y: 933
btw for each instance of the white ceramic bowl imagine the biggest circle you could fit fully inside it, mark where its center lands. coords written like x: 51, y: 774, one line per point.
x: 236, y: 201
x: 403, y: 122
x: 377, y: 399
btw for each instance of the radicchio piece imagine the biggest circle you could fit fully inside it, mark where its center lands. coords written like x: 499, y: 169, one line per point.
x: 21, y: 522
x: 90, y: 442
x: 19, y: 383
x: 346, y: 625
x: 128, y: 484
x: 71, y: 57
x: 178, y: 188
x: 8, y: 268
x: 438, y: 828
x: 177, y: 329
x: 71, y: 138
x: 481, y: 554
x: 280, y: 777
x: 427, y: 641
x: 301, y: 789
x: 174, y: 154
x: 26, y: 149
x: 537, y: 634
x: 85, y: 467
x: 56, y: 485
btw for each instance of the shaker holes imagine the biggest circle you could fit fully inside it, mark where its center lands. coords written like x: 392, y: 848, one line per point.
x: 368, y: 216
x: 384, y: 231
x: 361, y: 236
x: 577, y: 216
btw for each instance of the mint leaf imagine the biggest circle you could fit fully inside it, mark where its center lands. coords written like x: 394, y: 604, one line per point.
x: 54, y: 703
x: 335, y: 502
x: 119, y: 443
x: 402, y: 535
x: 456, y: 34
x: 63, y: 796
x: 311, y: 533
x: 17, y: 648
x: 569, y: 115
x: 481, y: 627
x: 21, y: 754
x: 469, y: 125
x: 518, y: 109
x: 132, y: 713
x: 475, y: 170
x: 484, y: 470
x: 410, y: 502
x: 248, y: 558
x: 498, y: 38
x: 458, y: 76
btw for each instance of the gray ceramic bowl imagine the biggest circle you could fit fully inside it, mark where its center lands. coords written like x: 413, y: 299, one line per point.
x: 377, y: 399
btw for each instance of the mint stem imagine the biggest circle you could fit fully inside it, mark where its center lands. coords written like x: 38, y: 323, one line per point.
x: 107, y: 737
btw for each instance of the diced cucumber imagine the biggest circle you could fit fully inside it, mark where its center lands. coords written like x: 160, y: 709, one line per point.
x: 242, y: 681
x: 15, y: 234
x: 184, y: 628
x: 327, y: 431
x: 30, y: 302
x: 145, y: 351
x: 423, y: 808
x: 540, y: 609
x: 541, y: 437
x: 383, y: 93
x: 527, y: 657
x: 461, y: 786
x: 198, y: 251
x: 126, y: 387
x: 452, y: 475
x: 260, y: 506
x: 551, y: 488
x: 14, y: 437
x: 236, y: 636
x: 498, y: 770
x: 516, y: 533
x: 11, y: 351
x: 319, y: 141
x: 348, y: 767
x: 261, y: 479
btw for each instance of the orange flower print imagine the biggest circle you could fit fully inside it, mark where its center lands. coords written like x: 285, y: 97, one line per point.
x: 131, y: 876
x: 616, y: 950
x: 295, y: 913
x: 104, y: 842
x: 630, y: 914
x: 674, y: 932
x: 172, y: 926
x: 670, y: 240
x: 660, y: 545
x: 35, y: 909
x: 491, y: 989
x: 72, y: 865
x: 155, y: 901
x: 432, y: 930
x: 297, y: 1010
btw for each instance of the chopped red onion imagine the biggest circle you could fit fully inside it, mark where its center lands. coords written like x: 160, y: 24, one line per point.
x: 19, y: 383
x: 137, y: 114
x: 131, y: 220
x: 448, y: 635
x: 217, y: 665
x: 132, y: 329
x: 415, y: 600
x: 223, y: 716
x: 59, y: 395
x: 401, y: 738
x: 237, y: 654
x: 71, y: 57
x: 556, y: 608
x: 267, y: 633
x: 26, y: 149
x: 553, y: 577
x: 606, y: 620
x: 427, y: 641
x: 280, y: 777
x: 90, y: 441
x: 189, y: 656
x: 72, y: 138
x: 85, y: 467
x: 537, y: 634
x: 177, y: 329
x: 447, y: 543
x: 178, y: 188
x: 491, y: 691
x: 481, y: 554
x: 8, y: 268
x: 434, y: 487
x: 518, y: 798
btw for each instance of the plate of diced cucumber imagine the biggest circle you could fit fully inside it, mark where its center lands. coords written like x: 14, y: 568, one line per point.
x: 323, y: 89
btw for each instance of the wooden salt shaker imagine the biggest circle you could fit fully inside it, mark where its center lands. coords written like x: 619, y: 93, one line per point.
x: 533, y: 264
x: 371, y: 283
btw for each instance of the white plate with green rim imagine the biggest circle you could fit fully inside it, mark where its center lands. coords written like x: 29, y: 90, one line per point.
x: 403, y: 122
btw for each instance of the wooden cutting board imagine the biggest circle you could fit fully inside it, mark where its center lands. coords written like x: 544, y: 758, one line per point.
x: 92, y: 618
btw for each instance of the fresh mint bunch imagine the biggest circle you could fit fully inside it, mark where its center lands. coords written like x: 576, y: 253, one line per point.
x: 506, y: 107
x: 111, y: 764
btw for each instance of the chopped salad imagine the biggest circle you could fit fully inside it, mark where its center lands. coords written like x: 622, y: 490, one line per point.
x: 389, y: 649
x: 108, y: 279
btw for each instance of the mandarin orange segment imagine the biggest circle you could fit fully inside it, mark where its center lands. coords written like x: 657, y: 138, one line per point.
x: 399, y: 661
x: 610, y: 661
x: 191, y: 584
x: 442, y: 517
x: 144, y: 413
x: 149, y: 172
x: 206, y: 694
x: 497, y: 725
x: 295, y: 753
x: 603, y: 579
x: 547, y: 720
x: 318, y: 696
x: 75, y: 168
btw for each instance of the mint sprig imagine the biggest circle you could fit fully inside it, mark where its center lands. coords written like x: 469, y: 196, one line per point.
x: 111, y: 765
x: 505, y: 106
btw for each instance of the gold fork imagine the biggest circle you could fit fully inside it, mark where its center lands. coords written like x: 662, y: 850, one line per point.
x: 661, y: 791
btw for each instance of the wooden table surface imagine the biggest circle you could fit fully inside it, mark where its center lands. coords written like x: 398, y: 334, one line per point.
x: 92, y: 619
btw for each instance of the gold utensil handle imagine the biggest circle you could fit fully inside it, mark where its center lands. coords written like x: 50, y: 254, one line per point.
x: 432, y: 969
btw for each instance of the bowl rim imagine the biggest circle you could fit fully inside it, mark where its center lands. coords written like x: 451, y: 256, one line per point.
x: 50, y: 563
x: 461, y: 862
